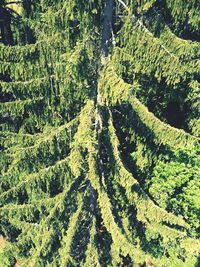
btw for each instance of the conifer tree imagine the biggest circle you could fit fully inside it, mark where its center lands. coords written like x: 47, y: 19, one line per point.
x: 99, y: 133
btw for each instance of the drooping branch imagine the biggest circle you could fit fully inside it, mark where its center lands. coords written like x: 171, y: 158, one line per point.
x: 124, y: 5
x: 140, y: 24
x: 13, y: 2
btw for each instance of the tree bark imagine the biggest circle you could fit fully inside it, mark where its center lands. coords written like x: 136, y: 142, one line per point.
x: 106, y: 28
x: 106, y: 37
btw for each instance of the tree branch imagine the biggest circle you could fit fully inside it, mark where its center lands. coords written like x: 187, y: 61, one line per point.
x: 145, y: 28
x: 124, y: 5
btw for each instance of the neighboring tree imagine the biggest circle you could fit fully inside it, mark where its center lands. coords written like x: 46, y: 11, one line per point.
x: 99, y: 133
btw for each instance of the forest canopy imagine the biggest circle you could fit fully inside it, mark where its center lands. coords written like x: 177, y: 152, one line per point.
x: 100, y: 133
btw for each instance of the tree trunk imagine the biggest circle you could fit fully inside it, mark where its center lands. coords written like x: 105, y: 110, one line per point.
x: 107, y: 28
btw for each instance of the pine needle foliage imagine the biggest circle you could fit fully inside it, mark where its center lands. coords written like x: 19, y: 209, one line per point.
x: 99, y: 153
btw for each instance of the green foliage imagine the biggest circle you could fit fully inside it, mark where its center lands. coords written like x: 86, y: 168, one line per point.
x: 7, y: 257
x: 94, y: 169
x: 92, y: 254
x: 193, y: 99
x: 185, y: 12
x: 174, y: 184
